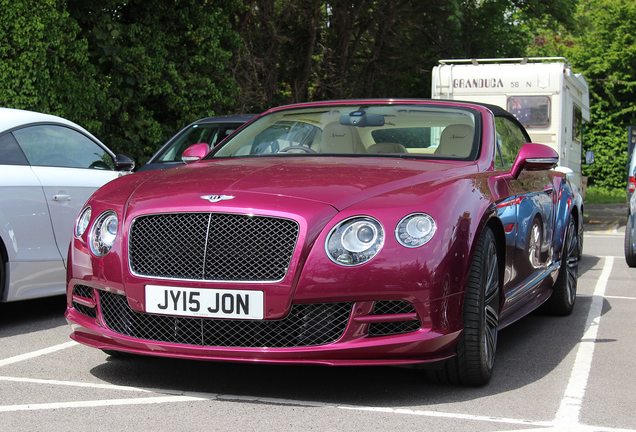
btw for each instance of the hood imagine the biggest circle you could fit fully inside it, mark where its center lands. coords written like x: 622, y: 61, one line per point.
x: 334, y: 181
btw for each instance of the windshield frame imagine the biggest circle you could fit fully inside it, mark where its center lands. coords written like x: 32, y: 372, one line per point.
x: 274, y: 116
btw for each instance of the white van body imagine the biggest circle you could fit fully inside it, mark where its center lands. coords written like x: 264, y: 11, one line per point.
x: 550, y: 100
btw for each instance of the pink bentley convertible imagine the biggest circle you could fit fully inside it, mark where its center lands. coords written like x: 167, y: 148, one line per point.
x: 361, y: 232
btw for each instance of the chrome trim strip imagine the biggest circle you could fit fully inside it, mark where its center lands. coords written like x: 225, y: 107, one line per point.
x: 543, y: 160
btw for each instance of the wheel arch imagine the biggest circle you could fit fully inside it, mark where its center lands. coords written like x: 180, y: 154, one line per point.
x: 497, y: 228
x: 4, y: 274
x: 578, y: 218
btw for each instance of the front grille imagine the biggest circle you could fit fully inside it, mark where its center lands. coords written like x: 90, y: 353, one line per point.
x: 389, y: 307
x: 86, y: 292
x: 306, y: 325
x: 212, y: 246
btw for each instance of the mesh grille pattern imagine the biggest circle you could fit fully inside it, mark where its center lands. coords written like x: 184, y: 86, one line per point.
x: 306, y: 325
x: 389, y: 307
x: 86, y: 292
x: 212, y: 246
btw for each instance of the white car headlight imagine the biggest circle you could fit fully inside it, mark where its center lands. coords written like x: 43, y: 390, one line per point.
x: 82, y: 222
x: 415, y: 230
x: 354, y: 241
x: 103, y: 233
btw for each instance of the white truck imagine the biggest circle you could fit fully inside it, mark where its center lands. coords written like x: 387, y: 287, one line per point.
x: 550, y: 100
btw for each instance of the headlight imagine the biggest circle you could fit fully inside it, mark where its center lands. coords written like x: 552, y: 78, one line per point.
x: 415, y: 230
x: 82, y: 222
x: 103, y: 233
x: 354, y: 241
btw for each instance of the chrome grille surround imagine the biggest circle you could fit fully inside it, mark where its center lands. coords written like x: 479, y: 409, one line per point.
x: 390, y: 307
x: 212, y: 247
x: 306, y: 325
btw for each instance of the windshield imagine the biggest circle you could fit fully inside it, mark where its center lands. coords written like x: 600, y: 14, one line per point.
x: 398, y: 130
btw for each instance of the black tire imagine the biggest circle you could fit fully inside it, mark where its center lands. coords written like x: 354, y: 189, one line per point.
x: 630, y: 254
x: 477, y: 346
x: 3, y: 264
x: 563, y: 297
x: 580, y: 232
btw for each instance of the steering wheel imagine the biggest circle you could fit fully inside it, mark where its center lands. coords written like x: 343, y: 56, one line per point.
x: 297, y: 147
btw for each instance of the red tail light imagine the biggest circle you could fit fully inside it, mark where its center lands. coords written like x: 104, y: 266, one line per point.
x: 631, y: 184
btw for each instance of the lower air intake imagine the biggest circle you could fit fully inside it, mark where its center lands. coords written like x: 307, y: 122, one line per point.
x: 306, y: 325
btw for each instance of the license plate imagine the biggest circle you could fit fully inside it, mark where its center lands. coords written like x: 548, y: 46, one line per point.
x: 212, y: 303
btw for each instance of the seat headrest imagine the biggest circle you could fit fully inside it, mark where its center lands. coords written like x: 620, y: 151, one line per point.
x: 337, y: 138
x: 387, y: 148
x: 456, y: 140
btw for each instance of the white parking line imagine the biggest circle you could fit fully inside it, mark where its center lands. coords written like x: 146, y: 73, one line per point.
x: 98, y: 403
x: 455, y: 416
x: 38, y: 353
x: 570, y: 408
x: 620, y: 298
x: 608, y: 234
x: 79, y: 384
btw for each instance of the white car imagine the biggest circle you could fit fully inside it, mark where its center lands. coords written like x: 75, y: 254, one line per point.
x: 49, y: 167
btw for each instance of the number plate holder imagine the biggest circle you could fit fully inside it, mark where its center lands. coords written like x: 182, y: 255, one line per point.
x: 205, y: 303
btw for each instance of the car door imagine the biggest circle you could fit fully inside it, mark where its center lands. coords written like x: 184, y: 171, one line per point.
x: 528, y: 216
x: 34, y: 261
x: 70, y: 166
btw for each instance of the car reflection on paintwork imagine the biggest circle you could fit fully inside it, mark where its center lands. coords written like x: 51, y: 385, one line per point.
x: 362, y: 232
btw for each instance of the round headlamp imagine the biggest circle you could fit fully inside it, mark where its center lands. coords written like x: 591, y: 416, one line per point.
x: 82, y: 222
x: 354, y: 241
x: 103, y: 233
x: 415, y: 230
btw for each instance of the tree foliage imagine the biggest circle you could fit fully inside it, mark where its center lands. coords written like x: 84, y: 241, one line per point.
x: 601, y: 46
x: 44, y: 63
x: 131, y: 72
x: 606, y: 54
x: 135, y: 72
x: 162, y: 65
x: 298, y: 50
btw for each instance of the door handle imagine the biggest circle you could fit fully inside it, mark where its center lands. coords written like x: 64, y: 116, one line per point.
x: 61, y: 198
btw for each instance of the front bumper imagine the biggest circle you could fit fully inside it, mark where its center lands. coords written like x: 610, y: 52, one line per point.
x: 384, y: 332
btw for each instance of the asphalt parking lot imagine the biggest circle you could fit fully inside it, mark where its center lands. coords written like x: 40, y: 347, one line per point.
x: 606, y: 218
x: 557, y: 374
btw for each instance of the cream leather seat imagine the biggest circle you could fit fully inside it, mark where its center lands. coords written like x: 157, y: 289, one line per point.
x: 386, y: 148
x: 337, y: 138
x: 456, y: 140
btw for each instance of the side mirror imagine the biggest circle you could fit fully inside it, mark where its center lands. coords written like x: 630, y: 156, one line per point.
x: 534, y: 157
x: 124, y: 162
x: 195, y: 153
